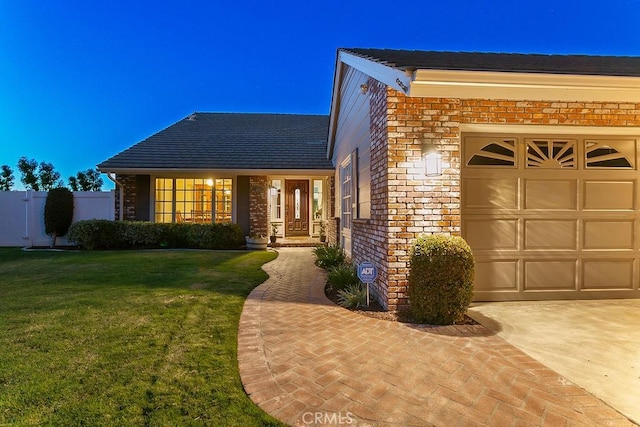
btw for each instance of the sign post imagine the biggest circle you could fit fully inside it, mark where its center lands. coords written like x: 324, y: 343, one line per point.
x: 367, y: 273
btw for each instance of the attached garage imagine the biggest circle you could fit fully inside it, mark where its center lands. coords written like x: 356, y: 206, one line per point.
x: 551, y: 216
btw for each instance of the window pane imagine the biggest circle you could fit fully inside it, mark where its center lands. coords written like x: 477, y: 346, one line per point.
x: 317, y: 199
x: 275, y: 202
x: 223, y: 198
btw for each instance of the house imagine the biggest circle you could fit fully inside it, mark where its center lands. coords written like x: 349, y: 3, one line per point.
x: 250, y: 169
x: 535, y: 158
x: 539, y: 158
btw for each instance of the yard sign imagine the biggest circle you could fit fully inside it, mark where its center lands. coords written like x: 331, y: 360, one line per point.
x: 367, y: 273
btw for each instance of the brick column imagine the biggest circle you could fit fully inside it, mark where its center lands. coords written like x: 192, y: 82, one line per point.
x: 258, y: 205
x: 129, y: 199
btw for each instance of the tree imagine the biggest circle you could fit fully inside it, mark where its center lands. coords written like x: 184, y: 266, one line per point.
x: 27, y: 170
x: 49, y: 178
x: 58, y: 213
x: 6, y: 178
x: 88, y: 180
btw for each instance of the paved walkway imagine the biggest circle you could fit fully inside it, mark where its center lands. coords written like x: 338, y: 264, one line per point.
x: 307, y: 361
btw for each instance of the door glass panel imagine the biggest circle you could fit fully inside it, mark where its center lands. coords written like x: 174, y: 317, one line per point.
x: 297, y: 203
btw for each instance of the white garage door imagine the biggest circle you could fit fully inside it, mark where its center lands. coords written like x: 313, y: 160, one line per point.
x: 552, y: 217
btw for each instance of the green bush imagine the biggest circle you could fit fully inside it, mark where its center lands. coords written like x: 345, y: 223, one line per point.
x: 103, y: 234
x: 353, y: 296
x: 329, y: 256
x: 342, y: 276
x: 58, y: 212
x: 440, y: 279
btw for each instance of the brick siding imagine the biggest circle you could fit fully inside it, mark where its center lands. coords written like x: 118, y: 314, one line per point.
x: 405, y: 204
x: 129, y: 197
x: 258, y: 205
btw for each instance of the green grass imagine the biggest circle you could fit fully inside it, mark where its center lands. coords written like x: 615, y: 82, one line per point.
x: 124, y: 338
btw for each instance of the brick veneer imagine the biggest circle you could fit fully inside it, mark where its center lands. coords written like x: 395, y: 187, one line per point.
x: 258, y: 205
x: 129, y: 197
x: 405, y: 204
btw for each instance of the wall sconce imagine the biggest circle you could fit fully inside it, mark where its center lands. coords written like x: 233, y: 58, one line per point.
x: 364, y: 88
x: 432, y: 159
x: 273, y: 191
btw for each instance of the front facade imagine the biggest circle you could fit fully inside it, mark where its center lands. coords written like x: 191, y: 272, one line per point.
x: 261, y: 171
x: 539, y: 168
x: 538, y: 160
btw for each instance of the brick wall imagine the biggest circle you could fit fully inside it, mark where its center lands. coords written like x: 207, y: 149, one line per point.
x: 405, y: 203
x: 258, y: 205
x: 129, y: 197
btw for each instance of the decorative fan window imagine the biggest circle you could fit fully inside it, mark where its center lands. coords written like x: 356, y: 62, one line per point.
x: 551, y: 154
x: 497, y: 153
x: 602, y: 155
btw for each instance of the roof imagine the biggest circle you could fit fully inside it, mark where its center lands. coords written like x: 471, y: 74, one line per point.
x: 231, y: 141
x: 503, y: 62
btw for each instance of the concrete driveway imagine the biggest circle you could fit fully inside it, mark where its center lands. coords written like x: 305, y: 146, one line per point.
x: 595, y: 344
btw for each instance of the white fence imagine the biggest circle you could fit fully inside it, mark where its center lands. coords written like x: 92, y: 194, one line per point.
x: 22, y: 215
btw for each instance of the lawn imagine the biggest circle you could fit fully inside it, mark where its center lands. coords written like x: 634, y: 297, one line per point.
x: 124, y: 338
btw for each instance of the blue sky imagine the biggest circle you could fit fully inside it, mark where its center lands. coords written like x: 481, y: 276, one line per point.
x: 82, y: 80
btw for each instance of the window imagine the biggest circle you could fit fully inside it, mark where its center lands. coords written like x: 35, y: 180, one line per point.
x: 497, y: 153
x: 551, y: 154
x: 604, y: 155
x: 275, y: 199
x: 346, y: 176
x: 317, y: 199
x: 193, y: 200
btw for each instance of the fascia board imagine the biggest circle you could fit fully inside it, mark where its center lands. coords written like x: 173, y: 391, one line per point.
x: 217, y: 172
x: 390, y: 76
x: 335, y: 105
x: 522, y: 86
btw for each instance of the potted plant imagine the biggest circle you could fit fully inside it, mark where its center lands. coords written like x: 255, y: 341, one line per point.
x: 323, y: 232
x: 274, y: 232
x: 257, y: 242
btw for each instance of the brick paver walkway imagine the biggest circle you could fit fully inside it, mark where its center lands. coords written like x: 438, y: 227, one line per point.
x: 307, y: 361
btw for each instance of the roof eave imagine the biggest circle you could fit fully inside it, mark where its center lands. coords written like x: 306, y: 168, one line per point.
x: 219, y: 172
x: 523, y: 86
x: 399, y: 79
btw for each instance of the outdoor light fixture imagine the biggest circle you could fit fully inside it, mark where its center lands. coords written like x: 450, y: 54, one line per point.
x: 432, y: 160
x: 364, y: 88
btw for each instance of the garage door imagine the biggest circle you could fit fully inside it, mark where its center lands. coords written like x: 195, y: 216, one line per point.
x: 551, y: 217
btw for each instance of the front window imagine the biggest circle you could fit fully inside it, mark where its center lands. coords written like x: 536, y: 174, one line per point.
x: 346, y: 186
x: 275, y: 199
x: 197, y: 200
x: 317, y: 199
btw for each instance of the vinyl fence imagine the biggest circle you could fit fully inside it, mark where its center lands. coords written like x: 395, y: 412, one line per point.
x: 22, y: 215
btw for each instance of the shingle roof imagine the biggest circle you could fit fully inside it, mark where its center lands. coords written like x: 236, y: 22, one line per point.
x: 509, y: 62
x: 231, y: 141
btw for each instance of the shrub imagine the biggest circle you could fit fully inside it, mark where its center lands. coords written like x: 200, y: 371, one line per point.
x: 103, y: 234
x: 58, y: 213
x: 342, y: 276
x: 352, y: 296
x: 329, y: 256
x: 440, y: 279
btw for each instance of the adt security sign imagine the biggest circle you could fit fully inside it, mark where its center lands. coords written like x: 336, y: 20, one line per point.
x: 367, y: 273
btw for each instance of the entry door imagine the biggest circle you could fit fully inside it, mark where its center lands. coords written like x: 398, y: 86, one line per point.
x: 297, y: 208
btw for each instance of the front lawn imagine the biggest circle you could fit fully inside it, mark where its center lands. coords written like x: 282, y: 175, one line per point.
x: 124, y: 338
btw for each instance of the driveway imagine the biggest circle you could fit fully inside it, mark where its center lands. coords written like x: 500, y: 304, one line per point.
x: 595, y: 343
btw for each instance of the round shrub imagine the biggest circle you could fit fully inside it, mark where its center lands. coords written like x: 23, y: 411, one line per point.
x: 440, y: 279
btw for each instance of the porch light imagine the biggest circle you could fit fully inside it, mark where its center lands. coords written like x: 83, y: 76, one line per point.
x: 432, y: 159
x: 210, y: 182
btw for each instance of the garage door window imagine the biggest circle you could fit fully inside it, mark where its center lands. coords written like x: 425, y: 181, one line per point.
x: 499, y: 152
x: 608, y: 154
x: 551, y: 154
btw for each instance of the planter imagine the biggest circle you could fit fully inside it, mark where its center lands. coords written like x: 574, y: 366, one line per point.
x: 323, y: 238
x: 273, y: 239
x: 257, y: 243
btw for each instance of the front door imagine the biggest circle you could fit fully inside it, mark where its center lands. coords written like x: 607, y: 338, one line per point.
x: 297, y: 208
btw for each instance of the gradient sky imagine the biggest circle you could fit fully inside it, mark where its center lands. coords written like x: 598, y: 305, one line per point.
x: 82, y: 80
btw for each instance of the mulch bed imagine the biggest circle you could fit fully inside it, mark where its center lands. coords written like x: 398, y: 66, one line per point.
x: 376, y: 311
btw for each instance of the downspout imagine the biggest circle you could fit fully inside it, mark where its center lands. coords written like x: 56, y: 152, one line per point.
x: 112, y: 177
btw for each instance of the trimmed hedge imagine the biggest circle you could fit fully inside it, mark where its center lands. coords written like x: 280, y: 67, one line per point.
x: 440, y: 279
x: 104, y: 234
